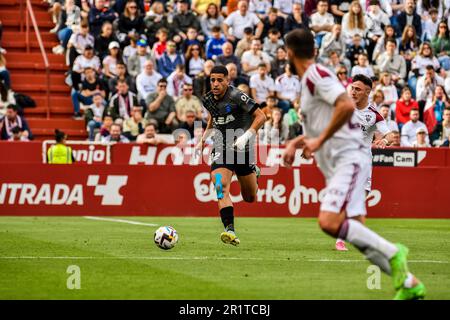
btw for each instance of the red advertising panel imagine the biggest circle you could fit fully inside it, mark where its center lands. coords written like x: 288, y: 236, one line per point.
x: 39, y: 189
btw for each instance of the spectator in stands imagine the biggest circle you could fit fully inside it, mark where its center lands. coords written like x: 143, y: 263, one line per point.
x: 380, y: 47
x: 421, y: 139
x: 69, y: 21
x: 137, y: 61
x: 409, y: 45
x: 410, y: 128
x: 110, y: 61
x: 86, y: 61
x: 115, y: 135
x: 272, y: 42
x: 441, y: 45
x: 6, y: 98
x: 261, y: 84
x: 130, y: 21
x: 296, y: 129
x: 389, y: 90
x: 89, y: 86
x: 191, y: 122
x: 342, y: 75
x: 238, y: 20
x: 122, y: 74
x: 184, y: 19
x: 375, y: 19
x: 98, y: 15
x: 444, y: 133
x: 404, y: 106
x: 385, y: 111
x: 105, y: 128
x: 202, y: 84
x: 287, y: 87
x: 4, y: 73
x: 355, y: 49
x: 149, y: 136
x: 430, y: 26
x: 334, y: 41
x: 395, y: 139
x: 188, y: 102
x: 170, y: 59
x: 259, y: 7
x: 426, y: 85
x: 214, y: 44
x: 16, y: 135
x: 296, y: 20
x: 275, y: 132
x: 192, y: 38
x: 272, y: 103
x: 424, y: 8
x: 310, y: 7
x: 245, y: 43
x: 408, y: 16
x: 235, y: 78
x: 433, y: 119
x: 79, y: 41
x: 378, y: 99
x: 277, y: 66
x: 94, y: 115
x: 121, y: 104
x: 155, y: 20
x: 252, y: 58
x: 210, y: 19
x: 147, y: 81
x: 321, y: 21
x: 390, y: 61
x: 228, y: 57
x: 160, y: 46
x: 195, y: 60
x: 198, y: 134
x: 273, y: 21
x: 161, y: 108
x: 419, y: 63
x: 363, y: 67
x: 11, y: 120
x: 134, y: 125
x: 176, y: 80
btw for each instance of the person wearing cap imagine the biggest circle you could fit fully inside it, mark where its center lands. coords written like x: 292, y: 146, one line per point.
x: 110, y: 61
x: 409, y: 130
x: 98, y: 14
x: 184, y: 19
x: 169, y: 60
x: 137, y: 61
x: 421, y: 139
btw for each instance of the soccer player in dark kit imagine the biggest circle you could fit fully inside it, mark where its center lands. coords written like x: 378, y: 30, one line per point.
x: 235, y: 119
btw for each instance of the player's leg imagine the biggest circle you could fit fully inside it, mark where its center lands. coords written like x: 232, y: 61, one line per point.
x: 249, y: 185
x: 344, y: 200
x: 221, y: 178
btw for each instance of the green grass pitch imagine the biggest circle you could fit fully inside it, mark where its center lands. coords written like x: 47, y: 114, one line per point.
x: 279, y: 258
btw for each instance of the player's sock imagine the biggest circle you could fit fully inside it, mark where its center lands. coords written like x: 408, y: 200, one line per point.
x: 376, y: 249
x: 227, y: 218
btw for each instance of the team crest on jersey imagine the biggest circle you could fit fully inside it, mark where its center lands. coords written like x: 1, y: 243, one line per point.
x: 368, y: 118
x: 228, y: 108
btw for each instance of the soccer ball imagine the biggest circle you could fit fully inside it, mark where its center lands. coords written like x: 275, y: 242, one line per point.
x: 166, y: 237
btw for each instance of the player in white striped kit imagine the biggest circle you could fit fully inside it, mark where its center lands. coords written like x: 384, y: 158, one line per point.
x: 374, y: 127
x: 334, y: 138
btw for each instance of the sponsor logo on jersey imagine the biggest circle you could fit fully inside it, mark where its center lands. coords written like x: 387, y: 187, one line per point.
x: 223, y: 120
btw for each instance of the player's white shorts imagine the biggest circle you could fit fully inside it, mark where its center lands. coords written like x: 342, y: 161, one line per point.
x: 345, y: 189
x: 368, y: 186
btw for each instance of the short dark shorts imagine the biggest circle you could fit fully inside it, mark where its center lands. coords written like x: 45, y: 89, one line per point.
x: 241, y: 163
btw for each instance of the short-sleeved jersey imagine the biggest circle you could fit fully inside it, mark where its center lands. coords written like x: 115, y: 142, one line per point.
x: 234, y: 111
x: 319, y: 92
x: 370, y: 121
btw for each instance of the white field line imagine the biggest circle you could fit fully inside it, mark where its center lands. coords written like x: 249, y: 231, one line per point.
x: 122, y: 221
x: 199, y: 258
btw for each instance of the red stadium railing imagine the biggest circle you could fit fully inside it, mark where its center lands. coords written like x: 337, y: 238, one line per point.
x: 29, y: 15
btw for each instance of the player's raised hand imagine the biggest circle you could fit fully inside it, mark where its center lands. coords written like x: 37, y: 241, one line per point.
x: 291, y: 149
x: 380, y: 143
x: 311, y: 145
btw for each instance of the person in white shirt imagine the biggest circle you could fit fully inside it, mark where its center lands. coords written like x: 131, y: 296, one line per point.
x: 261, y: 84
x: 321, y: 21
x: 385, y: 111
x: 430, y: 26
x: 335, y: 140
x: 252, y: 58
x: 410, y: 128
x: 260, y: 7
x: 287, y: 87
x: 363, y: 67
x: 388, y: 89
x: 427, y: 83
x: 240, y: 19
x: 353, y: 23
x: 176, y: 81
x: 147, y: 80
x: 421, y: 139
x: 384, y: 5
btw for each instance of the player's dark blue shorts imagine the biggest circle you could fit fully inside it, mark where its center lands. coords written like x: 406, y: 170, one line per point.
x: 242, y: 163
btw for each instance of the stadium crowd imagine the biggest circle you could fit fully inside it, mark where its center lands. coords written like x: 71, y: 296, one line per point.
x: 138, y: 69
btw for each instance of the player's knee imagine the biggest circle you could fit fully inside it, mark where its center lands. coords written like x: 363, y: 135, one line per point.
x: 329, y: 226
